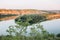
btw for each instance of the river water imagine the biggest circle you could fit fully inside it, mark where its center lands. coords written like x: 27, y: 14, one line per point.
x: 52, y: 26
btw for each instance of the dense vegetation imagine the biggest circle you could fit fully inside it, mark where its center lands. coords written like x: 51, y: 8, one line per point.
x: 6, y: 15
x: 30, y: 19
x: 21, y: 33
x: 37, y: 32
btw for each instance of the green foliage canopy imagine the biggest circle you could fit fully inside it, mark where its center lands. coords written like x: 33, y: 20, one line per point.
x: 26, y: 20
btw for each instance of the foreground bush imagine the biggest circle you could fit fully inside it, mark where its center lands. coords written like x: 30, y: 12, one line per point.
x: 36, y: 33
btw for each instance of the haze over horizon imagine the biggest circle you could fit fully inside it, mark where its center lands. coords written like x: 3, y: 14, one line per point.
x: 30, y: 4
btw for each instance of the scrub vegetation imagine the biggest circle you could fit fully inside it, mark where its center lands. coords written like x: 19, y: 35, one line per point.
x: 37, y: 32
x: 30, y: 19
x: 6, y: 15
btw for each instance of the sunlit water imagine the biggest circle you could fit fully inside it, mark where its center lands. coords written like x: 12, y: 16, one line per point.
x: 52, y: 26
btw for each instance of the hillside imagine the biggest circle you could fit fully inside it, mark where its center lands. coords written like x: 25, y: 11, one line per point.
x: 19, y: 12
x: 50, y: 14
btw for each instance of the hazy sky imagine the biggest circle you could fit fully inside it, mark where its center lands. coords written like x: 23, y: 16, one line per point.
x: 30, y: 4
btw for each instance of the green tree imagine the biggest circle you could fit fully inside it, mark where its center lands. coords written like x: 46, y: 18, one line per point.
x: 37, y: 32
x: 26, y: 20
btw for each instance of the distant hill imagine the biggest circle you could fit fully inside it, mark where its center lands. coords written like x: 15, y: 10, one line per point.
x: 19, y: 12
x: 26, y: 11
x: 54, y: 11
x: 50, y: 14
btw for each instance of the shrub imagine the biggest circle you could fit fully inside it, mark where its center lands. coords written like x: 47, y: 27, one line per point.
x: 30, y: 19
x: 37, y: 33
x: 58, y: 35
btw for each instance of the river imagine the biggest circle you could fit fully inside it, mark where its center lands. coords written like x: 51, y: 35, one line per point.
x: 52, y: 26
